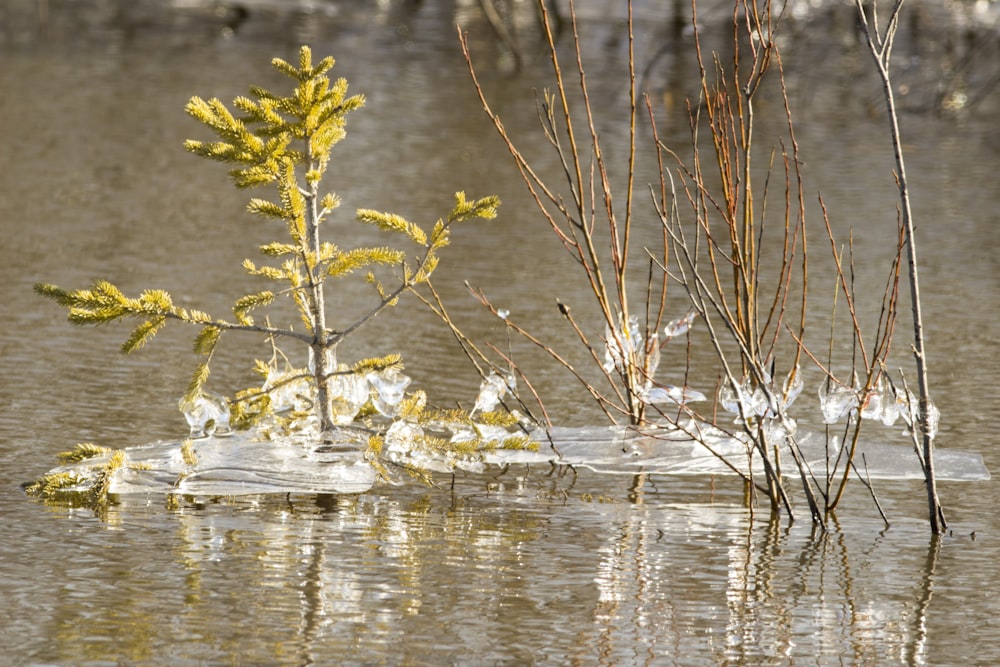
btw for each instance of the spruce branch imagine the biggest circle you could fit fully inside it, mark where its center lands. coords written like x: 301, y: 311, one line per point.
x: 392, y: 222
x: 379, y: 364
x: 105, y: 303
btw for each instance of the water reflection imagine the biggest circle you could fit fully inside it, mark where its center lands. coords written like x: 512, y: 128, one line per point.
x: 788, y: 595
x: 524, y: 568
x: 352, y: 571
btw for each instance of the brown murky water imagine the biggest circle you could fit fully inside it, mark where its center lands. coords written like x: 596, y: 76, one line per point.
x: 528, y: 567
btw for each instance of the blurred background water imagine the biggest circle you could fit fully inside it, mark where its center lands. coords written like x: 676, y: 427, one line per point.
x: 532, y: 566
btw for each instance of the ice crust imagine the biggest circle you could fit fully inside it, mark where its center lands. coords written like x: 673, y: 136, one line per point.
x: 244, y: 465
x: 614, y: 450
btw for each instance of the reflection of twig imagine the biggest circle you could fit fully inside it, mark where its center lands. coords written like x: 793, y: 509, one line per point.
x: 919, y: 645
x: 500, y: 28
x: 866, y: 480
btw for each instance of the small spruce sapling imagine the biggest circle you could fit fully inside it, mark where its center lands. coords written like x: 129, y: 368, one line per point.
x: 286, y: 142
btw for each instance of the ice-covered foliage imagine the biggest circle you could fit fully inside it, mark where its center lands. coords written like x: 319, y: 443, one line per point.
x: 283, y: 142
x: 385, y: 429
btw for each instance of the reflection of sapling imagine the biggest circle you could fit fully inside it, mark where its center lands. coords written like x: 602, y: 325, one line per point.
x: 284, y: 142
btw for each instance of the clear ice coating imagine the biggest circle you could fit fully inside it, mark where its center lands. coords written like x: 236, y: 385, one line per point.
x: 908, y: 408
x: 792, y: 387
x: 300, y: 461
x: 623, y: 346
x: 348, y: 394
x: 289, y: 390
x: 491, y: 390
x: 388, y: 389
x: 331, y: 359
x: 883, y: 402
x: 399, y: 439
x: 760, y: 401
x: 836, y: 401
x: 207, y: 414
x: 670, y: 394
x: 680, y: 326
x: 243, y: 464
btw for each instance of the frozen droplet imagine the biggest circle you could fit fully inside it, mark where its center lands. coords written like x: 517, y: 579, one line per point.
x: 836, y: 401
x: 792, y: 387
x: 206, y: 414
x: 680, y: 326
x: 492, y: 389
x: 389, y: 388
x: 670, y: 394
x: 503, y: 313
x: 348, y: 393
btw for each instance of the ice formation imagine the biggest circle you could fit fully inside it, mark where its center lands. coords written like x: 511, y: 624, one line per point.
x: 206, y: 414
